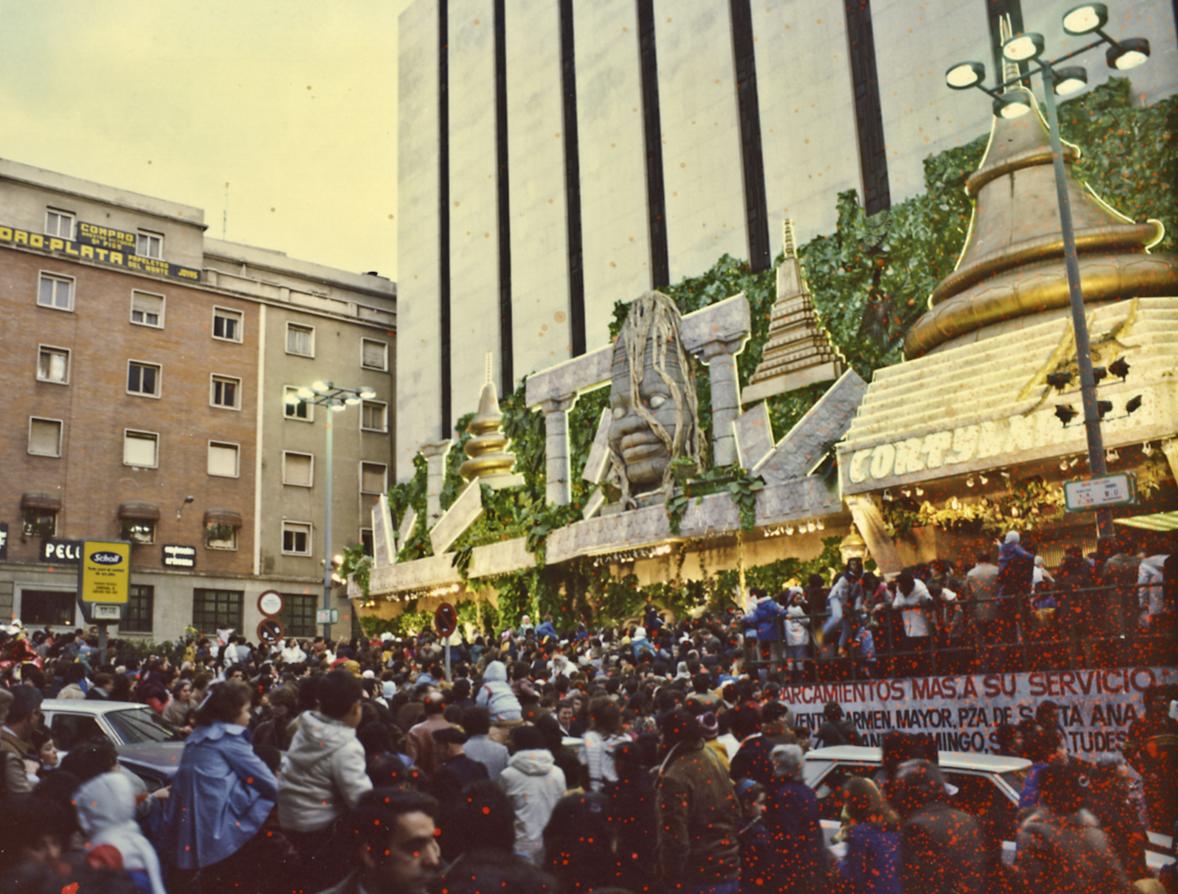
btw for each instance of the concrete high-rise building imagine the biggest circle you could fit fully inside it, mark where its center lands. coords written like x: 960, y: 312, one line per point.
x: 145, y: 367
x: 558, y: 155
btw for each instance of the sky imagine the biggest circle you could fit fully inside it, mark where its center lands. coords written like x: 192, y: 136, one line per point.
x: 292, y: 103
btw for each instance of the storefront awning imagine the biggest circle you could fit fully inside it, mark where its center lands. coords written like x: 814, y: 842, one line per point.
x: 139, y: 511
x: 40, y: 501
x: 1156, y: 521
x: 223, y: 517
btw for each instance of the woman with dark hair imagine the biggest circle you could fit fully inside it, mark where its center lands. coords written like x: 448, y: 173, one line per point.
x: 872, y: 863
x: 221, y: 797
x: 580, y: 845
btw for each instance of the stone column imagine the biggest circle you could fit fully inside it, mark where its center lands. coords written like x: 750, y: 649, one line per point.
x: 720, y: 357
x: 435, y: 453
x: 868, y: 519
x: 556, y: 449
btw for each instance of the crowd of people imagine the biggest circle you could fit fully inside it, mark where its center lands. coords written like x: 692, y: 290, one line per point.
x: 654, y: 757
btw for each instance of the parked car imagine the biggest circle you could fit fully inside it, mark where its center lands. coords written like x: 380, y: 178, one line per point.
x: 147, y: 746
x: 984, y: 785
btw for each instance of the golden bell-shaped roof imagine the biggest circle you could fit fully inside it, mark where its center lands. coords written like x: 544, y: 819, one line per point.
x: 486, y: 451
x: 1012, y: 265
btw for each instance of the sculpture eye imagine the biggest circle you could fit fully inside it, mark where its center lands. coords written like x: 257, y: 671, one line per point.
x: 657, y: 400
x: 619, y: 412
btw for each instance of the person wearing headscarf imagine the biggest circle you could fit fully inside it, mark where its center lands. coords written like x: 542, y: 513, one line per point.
x: 106, y: 814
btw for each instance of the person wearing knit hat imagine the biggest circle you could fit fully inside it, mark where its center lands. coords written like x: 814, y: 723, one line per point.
x: 711, y: 730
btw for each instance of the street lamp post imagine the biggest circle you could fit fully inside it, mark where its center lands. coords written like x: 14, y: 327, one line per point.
x: 335, y: 398
x: 1088, y: 18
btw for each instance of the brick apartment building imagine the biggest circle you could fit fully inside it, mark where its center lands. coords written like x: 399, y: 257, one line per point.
x: 145, y: 367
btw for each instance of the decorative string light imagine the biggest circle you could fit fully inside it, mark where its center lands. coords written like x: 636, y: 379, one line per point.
x: 628, y: 556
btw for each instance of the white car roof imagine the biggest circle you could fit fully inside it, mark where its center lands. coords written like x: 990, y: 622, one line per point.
x: 950, y: 760
x: 87, y: 705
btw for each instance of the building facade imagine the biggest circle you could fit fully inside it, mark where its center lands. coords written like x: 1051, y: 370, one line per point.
x: 146, y: 368
x: 558, y: 156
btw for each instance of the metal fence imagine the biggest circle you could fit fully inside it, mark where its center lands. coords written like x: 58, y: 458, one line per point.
x: 1091, y: 627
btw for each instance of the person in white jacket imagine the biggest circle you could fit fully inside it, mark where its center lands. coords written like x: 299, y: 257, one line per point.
x: 496, y: 695
x: 324, y: 773
x: 292, y: 652
x: 911, y: 598
x: 533, y: 783
x: 106, y: 814
x: 797, y: 633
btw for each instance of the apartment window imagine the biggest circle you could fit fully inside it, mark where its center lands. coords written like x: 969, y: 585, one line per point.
x: 39, y: 522
x: 214, y: 610
x: 296, y: 538
x: 149, y: 244
x: 373, y: 477
x: 298, y: 469
x: 366, y: 541
x: 53, y: 607
x: 147, y: 309
x: 298, y: 614
x: 55, y: 291
x: 141, y: 449
x: 53, y: 365
x: 59, y: 223
x: 45, y: 436
x: 223, y: 459
x: 225, y: 392
x: 140, y: 606
x: 300, y: 340
x: 143, y: 378
x: 228, y: 324
x: 296, y: 409
x: 374, y: 416
x: 374, y: 354
x: 138, y: 530
x: 221, y: 527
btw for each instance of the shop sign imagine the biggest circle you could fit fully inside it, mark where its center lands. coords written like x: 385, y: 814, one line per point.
x: 327, y: 616
x: 177, y: 556
x: 1093, y: 493
x: 104, y: 574
x: 57, y: 551
x: 99, y: 245
x: 1003, y: 440
x: 3, y: 541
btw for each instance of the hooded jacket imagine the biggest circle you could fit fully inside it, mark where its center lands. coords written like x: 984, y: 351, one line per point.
x: 766, y: 615
x: 323, y: 774
x: 106, y: 813
x: 1068, y: 854
x: 497, y: 696
x: 220, y: 797
x: 534, y: 783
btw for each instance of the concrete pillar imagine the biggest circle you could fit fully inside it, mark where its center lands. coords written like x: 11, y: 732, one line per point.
x: 869, y: 520
x: 720, y: 356
x: 435, y: 453
x: 556, y: 449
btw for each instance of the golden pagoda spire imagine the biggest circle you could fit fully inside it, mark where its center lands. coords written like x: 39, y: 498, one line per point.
x: 798, y: 351
x: 1012, y: 264
x: 486, y: 451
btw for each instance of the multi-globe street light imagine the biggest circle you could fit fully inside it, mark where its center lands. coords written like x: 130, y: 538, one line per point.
x: 1027, y: 49
x: 336, y: 398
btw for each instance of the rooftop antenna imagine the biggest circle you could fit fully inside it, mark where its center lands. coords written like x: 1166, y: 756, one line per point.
x: 225, y: 213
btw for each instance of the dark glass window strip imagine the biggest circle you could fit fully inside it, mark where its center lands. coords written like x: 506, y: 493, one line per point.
x: 752, y: 164
x: 873, y: 159
x: 656, y: 204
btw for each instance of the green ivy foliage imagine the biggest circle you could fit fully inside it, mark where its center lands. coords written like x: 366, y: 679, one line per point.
x: 870, y: 280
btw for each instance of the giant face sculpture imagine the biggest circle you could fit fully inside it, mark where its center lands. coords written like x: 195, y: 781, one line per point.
x: 652, y: 398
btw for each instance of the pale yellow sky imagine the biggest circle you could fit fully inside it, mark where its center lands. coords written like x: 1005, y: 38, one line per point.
x: 293, y: 103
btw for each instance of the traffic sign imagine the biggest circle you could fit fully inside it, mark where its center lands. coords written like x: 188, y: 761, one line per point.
x: 270, y: 630
x: 1095, y: 493
x: 445, y: 619
x: 270, y: 603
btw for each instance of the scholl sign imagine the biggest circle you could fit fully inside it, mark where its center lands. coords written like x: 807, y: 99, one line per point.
x: 104, y: 558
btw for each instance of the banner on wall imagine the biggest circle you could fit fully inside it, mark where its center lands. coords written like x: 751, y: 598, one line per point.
x: 963, y: 712
x: 99, y: 245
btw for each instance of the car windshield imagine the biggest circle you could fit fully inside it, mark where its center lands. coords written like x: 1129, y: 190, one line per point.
x: 1016, y: 779
x: 136, y: 725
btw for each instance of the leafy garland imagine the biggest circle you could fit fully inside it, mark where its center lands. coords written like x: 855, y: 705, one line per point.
x: 869, y: 280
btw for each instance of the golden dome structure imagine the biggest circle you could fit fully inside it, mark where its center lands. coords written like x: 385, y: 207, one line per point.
x: 488, y: 456
x: 1012, y: 266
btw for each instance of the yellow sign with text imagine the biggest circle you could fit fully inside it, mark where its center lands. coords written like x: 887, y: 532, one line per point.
x: 105, y: 571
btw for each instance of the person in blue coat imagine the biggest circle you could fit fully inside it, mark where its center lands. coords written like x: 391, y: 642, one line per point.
x: 872, y: 863
x: 220, y: 798
x: 792, y: 818
x: 767, y: 616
